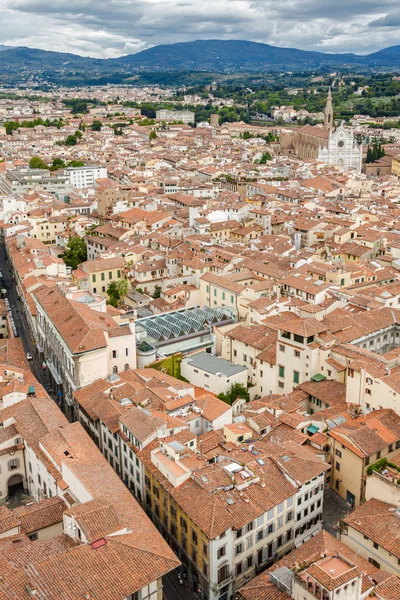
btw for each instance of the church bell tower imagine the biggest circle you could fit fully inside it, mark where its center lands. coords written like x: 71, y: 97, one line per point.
x: 328, y: 112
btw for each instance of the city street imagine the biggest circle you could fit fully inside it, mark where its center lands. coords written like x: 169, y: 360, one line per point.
x: 21, y: 322
x: 174, y: 590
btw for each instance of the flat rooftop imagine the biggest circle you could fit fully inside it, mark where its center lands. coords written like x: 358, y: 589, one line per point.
x: 213, y: 364
x: 335, y: 566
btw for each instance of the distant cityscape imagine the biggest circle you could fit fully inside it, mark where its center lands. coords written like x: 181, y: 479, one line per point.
x: 200, y: 332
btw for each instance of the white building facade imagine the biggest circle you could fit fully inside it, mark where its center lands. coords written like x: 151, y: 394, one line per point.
x: 342, y: 150
x: 85, y: 177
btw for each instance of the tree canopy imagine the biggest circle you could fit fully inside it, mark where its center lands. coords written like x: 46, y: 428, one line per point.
x: 38, y: 163
x: 237, y: 391
x: 122, y: 287
x: 76, y: 252
x: 375, y: 153
x: 96, y: 125
x: 265, y: 157
x: 157, y: 291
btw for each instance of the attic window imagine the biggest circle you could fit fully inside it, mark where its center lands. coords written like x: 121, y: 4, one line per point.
x: 66, y: 453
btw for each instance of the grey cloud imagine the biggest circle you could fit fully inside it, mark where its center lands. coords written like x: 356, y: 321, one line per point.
x: 103, y: 28
x: 390, y: 20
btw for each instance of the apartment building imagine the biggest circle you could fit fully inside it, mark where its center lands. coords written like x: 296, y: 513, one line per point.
x: 357, y: 445
x: 102, y: 408
x: 24, y: 180
x: 304, y: 287
x: 90, y: 520
x: 141, y: 221
x: 373, y: 531
x: 277, y: 511
x: 148, y: 274
x: 46, y: 228
x: 226, y: 533
x: 78, y: 343
x: 148, y: 424
x: 37, y: 520
x: 281, y: 353
x: 96, y: 275
x: 322, y: 568
x: 186, y: 116
x: 235, y: 290
x: 243, y: 344
x: 86, y: 176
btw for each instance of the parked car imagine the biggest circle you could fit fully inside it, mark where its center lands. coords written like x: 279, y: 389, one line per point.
x: 29, y: 356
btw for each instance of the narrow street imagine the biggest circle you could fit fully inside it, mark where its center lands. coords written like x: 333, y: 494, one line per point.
x: 174, y: 590
x: 21, y: 322
x: 335, y: 508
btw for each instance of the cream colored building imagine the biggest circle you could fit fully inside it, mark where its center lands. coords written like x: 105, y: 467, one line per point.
x: 47, y: 228
x: 96, y: 275
x: 372, y: 531
x: 62, y: 464
x: 396, y: 165
x: 234, y: 290
x: 78, y: 344
x: 383, y: 486
x: 355, y: 449
x: 12, y: 466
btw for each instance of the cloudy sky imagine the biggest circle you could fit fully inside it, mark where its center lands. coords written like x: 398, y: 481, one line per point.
x: 109, y: 28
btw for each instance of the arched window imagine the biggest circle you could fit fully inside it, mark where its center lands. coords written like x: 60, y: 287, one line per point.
x: 126, y: 367
x: 115, y: 369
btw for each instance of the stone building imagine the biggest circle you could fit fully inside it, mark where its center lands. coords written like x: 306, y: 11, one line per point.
x: 334, y: 147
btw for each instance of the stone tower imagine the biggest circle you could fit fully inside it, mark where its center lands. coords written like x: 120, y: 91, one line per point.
x: 214, y: 120
x: 328, y: 112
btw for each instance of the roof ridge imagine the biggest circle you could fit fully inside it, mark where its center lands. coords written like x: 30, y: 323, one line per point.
x: 118, y: 539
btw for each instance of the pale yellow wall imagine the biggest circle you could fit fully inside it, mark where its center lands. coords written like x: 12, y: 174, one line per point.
x: 353, y: 469
x: 350, y: 474
x: 380, y: 488
x: 103, y: 279
x: 231, y: 436
x: 49, y: 532
x: 364, y: 547
x: 396, y: 166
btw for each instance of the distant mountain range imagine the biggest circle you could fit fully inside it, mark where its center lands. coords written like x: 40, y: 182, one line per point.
x: 232, y: 56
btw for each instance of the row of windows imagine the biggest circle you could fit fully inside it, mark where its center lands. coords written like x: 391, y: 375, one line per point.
x: 184, y: 531
x: 309, y: 495
x: 114, y: 353
x: 296, y: 353
x: 308, y: 525
x: 103, y: 276
x: 263, y: 533
x: 270, y: 515
x: 248, y: 563
x: 310, y: 509
x: 223, y: 294
x: 296, y: 374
